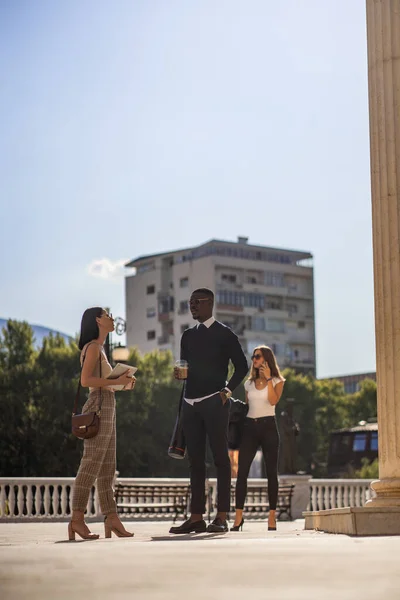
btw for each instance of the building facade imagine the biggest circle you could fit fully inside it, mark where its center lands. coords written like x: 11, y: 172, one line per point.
x: 351, y: 383
x: 266, y: 295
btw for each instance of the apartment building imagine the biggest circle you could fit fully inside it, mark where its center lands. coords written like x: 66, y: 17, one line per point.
x: 351, y: 383
x: 266, y: 295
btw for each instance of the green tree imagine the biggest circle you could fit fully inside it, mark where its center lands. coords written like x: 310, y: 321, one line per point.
x: 17, y: 384
x: 145, y: 419
x: 57, y: 372
x: 362, y: 404
x: 369, y: 470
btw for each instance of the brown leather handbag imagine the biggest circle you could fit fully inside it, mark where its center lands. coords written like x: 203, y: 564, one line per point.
x: 85, y: 425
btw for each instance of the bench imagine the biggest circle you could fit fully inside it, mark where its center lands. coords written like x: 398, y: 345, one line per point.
x: 166, y: 499
x: 257, y: 502
x: 157, y: 499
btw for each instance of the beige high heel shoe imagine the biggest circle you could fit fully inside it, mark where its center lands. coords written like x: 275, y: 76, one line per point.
x: 112, y: 524
x: 77, y: 525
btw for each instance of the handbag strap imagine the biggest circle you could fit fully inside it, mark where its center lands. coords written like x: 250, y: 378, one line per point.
x: 75, y: 408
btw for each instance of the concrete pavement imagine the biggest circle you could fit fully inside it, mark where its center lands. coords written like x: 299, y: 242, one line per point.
x: 37, y: 562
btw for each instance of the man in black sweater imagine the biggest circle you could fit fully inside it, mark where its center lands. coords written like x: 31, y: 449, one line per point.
x: 208, y: 347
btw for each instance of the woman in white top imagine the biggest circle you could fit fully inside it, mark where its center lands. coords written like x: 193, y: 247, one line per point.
x: 263, y: 391
x: 99, y: 456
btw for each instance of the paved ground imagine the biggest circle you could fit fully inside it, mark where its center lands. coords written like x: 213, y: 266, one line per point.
x: 37, y: 562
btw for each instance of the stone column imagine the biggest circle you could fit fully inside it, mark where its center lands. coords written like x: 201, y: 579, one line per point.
x: 383, y: 35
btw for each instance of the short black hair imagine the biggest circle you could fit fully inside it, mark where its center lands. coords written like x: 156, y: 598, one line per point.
x: 206, y: 292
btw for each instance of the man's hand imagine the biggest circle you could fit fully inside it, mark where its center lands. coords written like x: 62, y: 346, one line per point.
x: 223, y: 396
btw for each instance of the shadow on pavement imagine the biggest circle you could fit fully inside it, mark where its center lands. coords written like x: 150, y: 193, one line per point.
x: 73, y: 541
x: 185, y: 537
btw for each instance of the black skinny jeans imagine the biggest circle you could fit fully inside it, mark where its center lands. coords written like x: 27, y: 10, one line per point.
x: 258, y: 432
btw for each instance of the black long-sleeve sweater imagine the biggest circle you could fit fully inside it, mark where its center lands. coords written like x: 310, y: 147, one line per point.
x: 208, y: 351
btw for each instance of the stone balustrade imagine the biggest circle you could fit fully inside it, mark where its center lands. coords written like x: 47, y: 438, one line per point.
x: 49, y: 498
x: 338, y: 493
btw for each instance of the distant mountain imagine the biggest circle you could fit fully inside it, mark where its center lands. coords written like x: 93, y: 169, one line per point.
x: 39, y: 332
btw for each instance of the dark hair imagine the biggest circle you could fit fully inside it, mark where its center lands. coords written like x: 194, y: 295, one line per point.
x: 269, y: 358
x: 89, y: 327
x: 206, y: 292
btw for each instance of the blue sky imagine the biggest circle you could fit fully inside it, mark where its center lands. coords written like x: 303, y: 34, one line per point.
x: 130, y: 127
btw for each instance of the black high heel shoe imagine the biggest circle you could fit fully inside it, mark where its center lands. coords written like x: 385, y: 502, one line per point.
x: 238, y: 527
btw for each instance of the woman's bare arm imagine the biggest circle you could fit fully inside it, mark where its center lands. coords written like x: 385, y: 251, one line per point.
x: 91, y: 360
x: 274, y: 392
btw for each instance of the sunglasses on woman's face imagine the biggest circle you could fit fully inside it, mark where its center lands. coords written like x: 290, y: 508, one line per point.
x: 256, y: 356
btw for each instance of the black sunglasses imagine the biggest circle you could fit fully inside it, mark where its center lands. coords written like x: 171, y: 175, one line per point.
x: 257, y: 356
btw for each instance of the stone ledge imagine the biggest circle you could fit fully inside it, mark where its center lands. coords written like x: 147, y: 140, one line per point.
x: 363, y: 521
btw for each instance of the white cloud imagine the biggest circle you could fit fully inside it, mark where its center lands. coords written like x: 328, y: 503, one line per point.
x: 104, y: 268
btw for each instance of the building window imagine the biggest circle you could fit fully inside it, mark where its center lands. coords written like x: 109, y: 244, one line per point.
x: 146, y: 267
x: 276, y: 325
x: 257, y: 323
x: 251, y: 279
x: 184, y: 282
x: 359, y: 442
x: 166, y: 305
x: 374, y: 441
x: 291, y: 308
x: 151, y: 289
x: 273, y: 303
x: 151, y: 312
x: 240, y: 299
x: 184, y: 327
x: 183, y: 307
x: 228, y: 278
x: 151, y: 335
x: 351, y: 387
x: 275, y: 279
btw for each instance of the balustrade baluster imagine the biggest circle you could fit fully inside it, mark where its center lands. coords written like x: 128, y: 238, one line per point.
x: 314, y: 498
x: 346, y: 495
x: 11, y: 501
x: 56, y: 500
x: 64, y: 500
x: 3, y: 504
x: 46, y: 500
x: 29, y: 500
x: 339, y: 496
x: 20, y: 500
x: 352, y: 494
x: 326, y: 497
x: 320, y: 497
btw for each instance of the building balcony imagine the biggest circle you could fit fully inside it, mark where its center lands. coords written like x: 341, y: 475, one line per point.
x: 165, y: 317
x: 295, y: 292
x: 301, y: 362
x: 166, y: 342
x: 299, y: 338
x: 229, y: 307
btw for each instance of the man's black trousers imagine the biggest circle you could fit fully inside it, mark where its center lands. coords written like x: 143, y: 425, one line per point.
x: 208, y: 417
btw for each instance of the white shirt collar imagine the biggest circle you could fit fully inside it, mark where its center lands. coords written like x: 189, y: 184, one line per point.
x: 207, y: 323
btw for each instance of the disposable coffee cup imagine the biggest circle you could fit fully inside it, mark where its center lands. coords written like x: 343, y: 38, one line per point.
x: 182, y: 368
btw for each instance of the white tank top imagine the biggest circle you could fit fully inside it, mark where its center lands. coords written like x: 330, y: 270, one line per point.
x: 106, y: 368
x: 258, y: 400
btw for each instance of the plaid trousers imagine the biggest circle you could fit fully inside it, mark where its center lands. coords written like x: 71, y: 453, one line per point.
x: 99, y: 456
